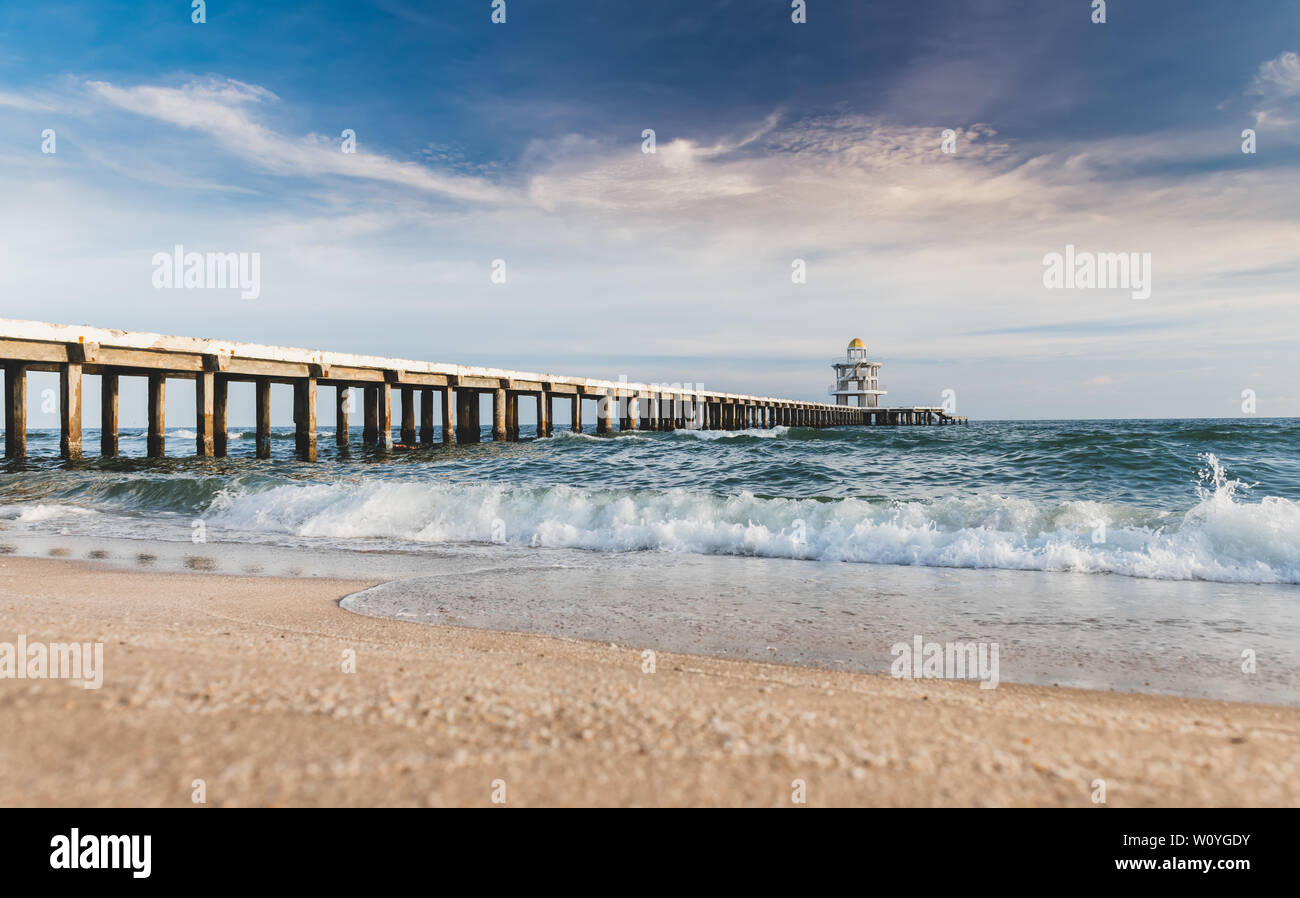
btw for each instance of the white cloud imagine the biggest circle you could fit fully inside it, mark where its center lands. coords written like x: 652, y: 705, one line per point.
x: 220, y: 108
x: 1277, y: 84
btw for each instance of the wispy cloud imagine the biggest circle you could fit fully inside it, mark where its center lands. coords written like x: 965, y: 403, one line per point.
x: 221, y: 109
x: 1277, y: 85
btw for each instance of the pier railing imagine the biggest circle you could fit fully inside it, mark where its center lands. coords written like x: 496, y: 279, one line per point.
x: 75, y: 351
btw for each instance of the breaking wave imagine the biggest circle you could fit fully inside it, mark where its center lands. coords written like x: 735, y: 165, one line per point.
x: 1220, y: 537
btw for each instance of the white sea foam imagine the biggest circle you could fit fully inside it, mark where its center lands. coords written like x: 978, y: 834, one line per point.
x: 709, y: 435
x: 33, y: 514
x: 761, y: 433
x: 1219, y: 538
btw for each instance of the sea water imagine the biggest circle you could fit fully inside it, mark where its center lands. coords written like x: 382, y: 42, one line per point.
x: 1160, y: 555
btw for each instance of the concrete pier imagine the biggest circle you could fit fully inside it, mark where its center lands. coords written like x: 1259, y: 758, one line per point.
x: 467, y: 417
x: 448, y: 422
x: 384, y: 414
x: 426, y: 416
x: 205, y: 402
x: 70, y: 410
x: 108, y: 415
x: 262, y: 415
x: 304, y: 418
x: 342, y: 409
x: 157, y: 441
x: 75, y: 352
x: 220, y: 418
x: 408, y: 416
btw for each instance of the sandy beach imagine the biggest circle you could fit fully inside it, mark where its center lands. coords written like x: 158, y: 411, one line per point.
x: 239, y: 682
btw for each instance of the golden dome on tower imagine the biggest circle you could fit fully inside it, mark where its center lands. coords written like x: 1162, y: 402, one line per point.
x: 857, y: 344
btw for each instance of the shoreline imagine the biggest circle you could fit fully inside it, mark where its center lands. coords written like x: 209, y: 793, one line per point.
x: 238, y: 681
x: 1173, y: 638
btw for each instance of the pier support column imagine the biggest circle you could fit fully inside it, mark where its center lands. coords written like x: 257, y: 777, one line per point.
x: 426, y: 416
x: 304, y: 418
x: 384, y: 415
x: 108, y: 415
x: 467, y: 424
x: 498, y: 415
x: 157, y: 416
x: 70, y: 410
x: 342, y: 406
x: 408, y: 416
x: 448, y: 419
x: 512, y: 416
x: 633, y: 411
x: 262, y: 414
x: 370, y: 427
x: 606, y: 410
x: 544, y: 413
x: 220, y: 416
x: 575, y: 413
x: 15, y: 411
x: 205, y: 400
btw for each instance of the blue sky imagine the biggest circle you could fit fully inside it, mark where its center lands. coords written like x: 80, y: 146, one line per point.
x: 775, y: 141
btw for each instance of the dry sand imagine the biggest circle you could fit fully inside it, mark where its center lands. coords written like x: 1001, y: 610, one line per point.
x: 239, y: 682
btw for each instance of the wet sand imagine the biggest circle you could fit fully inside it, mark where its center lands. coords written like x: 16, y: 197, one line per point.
x: 240, y: 682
